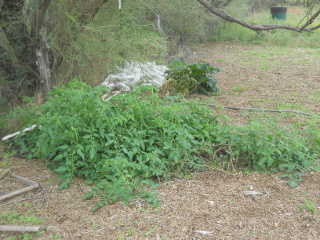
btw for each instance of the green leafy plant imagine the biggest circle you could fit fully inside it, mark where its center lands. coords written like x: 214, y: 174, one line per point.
x: 121, y: 146
x: 308, y: 205
x: 196, y: 77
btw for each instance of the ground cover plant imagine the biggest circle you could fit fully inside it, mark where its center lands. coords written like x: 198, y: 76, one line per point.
x: 124, y: 145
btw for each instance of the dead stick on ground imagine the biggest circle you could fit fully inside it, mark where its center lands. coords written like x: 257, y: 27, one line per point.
x: 18, y: 192
x: 25, y: 180
x: 11, y: 228
x: 17, y: 133
x: 262, y: 110
x: 17, y: 201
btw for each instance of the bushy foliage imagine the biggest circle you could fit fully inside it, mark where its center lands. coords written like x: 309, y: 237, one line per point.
x: 123, y: 144
x: 187, y: 78
x: 264, y: 146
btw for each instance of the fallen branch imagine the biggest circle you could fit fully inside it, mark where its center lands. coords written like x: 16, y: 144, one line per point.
x: 25, y: 180
x: 17, y: 133
x: 262, y: 110
x: 17, y: 201
x: 18, y: 192
x: 32, y: 185
x: 11, y: 228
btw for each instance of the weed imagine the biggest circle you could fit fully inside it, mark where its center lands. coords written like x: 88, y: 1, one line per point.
x: 15, y: 217
x: 149, y: 232
x: 10, y: 151
x: 56, y: 236
x: 308, y: 205
x: 238, y: 88
x: 130, y: 231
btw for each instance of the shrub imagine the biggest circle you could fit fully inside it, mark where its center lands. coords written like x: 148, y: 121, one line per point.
x: 196, y: 77
x: 123, y: 144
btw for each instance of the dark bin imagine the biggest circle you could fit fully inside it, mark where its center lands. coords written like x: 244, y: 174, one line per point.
x: 279, y: 13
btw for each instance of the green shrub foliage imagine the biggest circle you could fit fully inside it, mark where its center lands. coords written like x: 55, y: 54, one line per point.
x: 123, y: 145
x: 120, y: 142
x: 195, y: 77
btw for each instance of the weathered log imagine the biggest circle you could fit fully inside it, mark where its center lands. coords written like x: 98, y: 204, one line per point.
x: 18, y: 192
x: 11, y: 228
x: 25, y: 180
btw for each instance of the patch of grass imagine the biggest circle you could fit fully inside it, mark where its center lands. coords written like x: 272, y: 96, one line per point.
x: 130, y: 231
x: 238, y: 88
x: 15, y: 217
x: 293, y: 106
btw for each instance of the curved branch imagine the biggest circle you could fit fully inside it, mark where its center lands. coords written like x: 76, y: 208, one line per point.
x: 258, y: 28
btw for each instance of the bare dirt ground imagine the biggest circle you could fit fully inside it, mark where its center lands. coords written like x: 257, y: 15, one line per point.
x: 207, y: 205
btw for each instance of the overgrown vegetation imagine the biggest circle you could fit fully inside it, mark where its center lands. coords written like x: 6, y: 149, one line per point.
x: 124, y: 145
x: 189, y: 78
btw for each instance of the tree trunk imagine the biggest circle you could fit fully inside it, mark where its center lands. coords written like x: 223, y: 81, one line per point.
x: 43, y: 62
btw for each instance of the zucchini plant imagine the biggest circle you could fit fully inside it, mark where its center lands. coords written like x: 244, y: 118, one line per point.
x: 189, y: 78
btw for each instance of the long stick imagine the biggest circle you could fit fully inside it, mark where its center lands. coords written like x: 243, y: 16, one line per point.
x: 10, y: 228
x: 263, y: 110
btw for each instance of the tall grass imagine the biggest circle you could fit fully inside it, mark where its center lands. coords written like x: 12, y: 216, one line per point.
x: 234, y: 32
